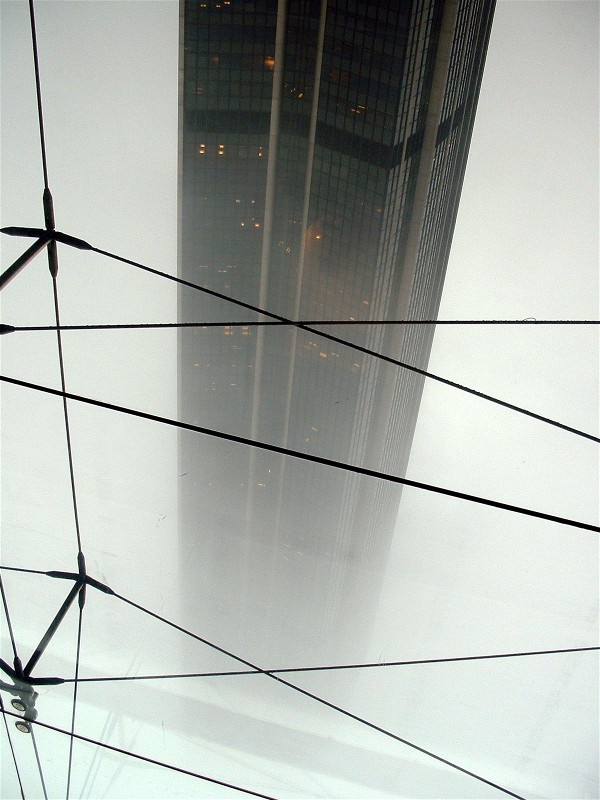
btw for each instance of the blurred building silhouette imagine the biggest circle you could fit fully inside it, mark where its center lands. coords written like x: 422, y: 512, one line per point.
x: 322, y: 151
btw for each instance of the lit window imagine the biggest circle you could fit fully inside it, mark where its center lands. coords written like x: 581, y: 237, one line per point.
x: 269, y: 62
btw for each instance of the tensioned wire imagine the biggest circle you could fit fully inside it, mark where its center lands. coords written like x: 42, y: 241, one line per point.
x: 49, y: 220
x: 420, y: 661
x: 279, y: 320
x: 53, y: 265
x: 37, y: 756
x: 328, y: 462
x: 40, y: 115
x: 141, y: 757
x: 315, y: 697
x: 345, y: 343
x: 75, y: 687
x: 14, y: 648
x: 39, y: 763
x: 278, y: 323
x: 272, y: 323
x: 272, y: 674
x: 12, y: 749
x: 64, y: 395
x: 332, y: 667
x: 8, y: 620
x: 284, y: 682
x: 66, y: 413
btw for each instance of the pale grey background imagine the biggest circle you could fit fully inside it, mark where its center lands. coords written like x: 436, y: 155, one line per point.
x: 460, y: 580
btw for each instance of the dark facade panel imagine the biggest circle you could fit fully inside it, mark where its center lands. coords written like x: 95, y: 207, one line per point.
x: 333, y: 196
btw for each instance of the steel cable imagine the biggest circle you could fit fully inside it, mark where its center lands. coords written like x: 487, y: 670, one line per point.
x: 358, y: 348
x: 328, y: 462
x: 39, y: 763
x: 145, y: 759
x: 74, y: 706
x: 331, y: 667
x: 318, y: 699
x: 12, y: 749
x: 276, y: 323
x: 66, y: 413
x: 8, y: 620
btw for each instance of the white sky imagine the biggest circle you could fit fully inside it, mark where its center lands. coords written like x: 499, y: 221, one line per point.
x: 459, y: 581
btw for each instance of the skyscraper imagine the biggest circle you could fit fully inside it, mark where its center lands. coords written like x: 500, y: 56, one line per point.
x: 323, y: 146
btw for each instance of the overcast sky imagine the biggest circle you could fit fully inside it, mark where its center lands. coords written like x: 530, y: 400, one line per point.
x: 459, y: 581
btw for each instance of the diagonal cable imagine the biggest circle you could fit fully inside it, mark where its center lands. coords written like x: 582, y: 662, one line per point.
x: 315, y: 697
x: 83, y: 245
x: 145, y: 759
x: 66, y: 412
x: 38, y: 91
x: 328, y: 462
x: 331, y: 667
x: 75, y: 687
x: 276, y: 323
x: 23, y: 569
x: 39, y: 763
x: 364, y: 665
x: 9, y: 623
x: 359, y: 348
x: 12, y: 749
x: 52, y: 258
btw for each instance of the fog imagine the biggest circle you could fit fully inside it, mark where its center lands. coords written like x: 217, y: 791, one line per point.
x: 459, y: 580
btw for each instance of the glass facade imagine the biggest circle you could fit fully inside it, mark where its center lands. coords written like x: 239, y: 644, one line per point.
x: 322, y: 152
